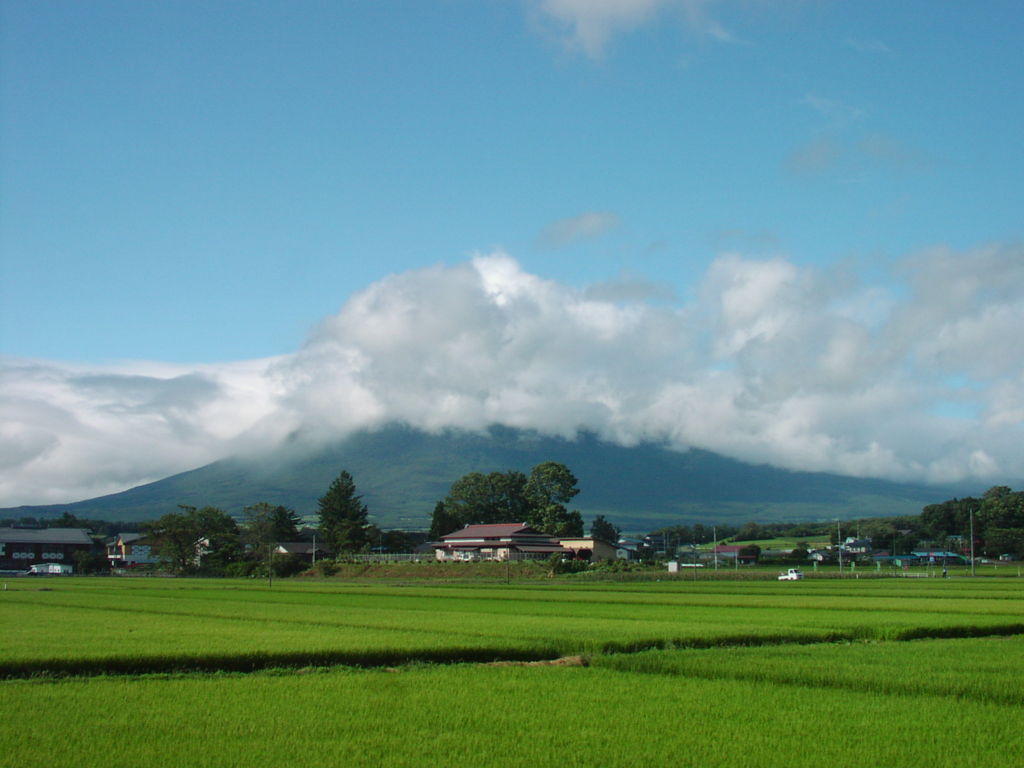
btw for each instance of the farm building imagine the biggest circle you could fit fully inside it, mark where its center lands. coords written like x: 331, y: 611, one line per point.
x: 499, y: 541
x: 589, y: 548
x: 20, y: 548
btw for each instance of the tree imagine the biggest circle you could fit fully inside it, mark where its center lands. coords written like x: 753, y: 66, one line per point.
x: 750, y: 551
x: 442, y: 522
x: 555, y: 520
x: 266, y: 524
x: 194, y: 538
x: 343, y: 516
x: 1005, y: 541
x: 511, y: 497
x: 477, y: 498
x: 600, y: 528
x: 550, y: 483
x: 175, y: 537
x: 550, y: 487
x: 90, y: 562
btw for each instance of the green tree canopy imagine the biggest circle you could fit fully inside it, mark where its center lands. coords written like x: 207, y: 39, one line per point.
x: 343, y: 516
x: 498, y: 497
x: 511, y: 497
x: 268, y: 524
x: 998, y: 520
x: 195, y: 538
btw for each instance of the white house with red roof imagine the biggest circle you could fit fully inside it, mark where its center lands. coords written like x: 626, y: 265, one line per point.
x: 498, y: 541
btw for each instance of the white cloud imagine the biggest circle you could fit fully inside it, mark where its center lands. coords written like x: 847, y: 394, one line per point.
x: 588, y: 25
x: 771, y: 362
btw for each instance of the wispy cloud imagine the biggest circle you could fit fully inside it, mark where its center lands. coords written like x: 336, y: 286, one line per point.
x: 770, y: 362
x: 585, y: 226
x: 873, y: 152
x: 588, y: 25
x: 818, y: 155
x: 872, y: 46
x: 834, y: 109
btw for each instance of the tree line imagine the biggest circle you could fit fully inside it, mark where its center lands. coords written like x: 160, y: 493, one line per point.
x: 209, y: 540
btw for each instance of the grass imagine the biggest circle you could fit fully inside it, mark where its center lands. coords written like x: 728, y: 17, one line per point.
x: 162, y: 625
x: 716, y: 674
x: 510, y: 717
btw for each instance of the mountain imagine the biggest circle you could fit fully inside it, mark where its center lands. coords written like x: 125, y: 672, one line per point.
x: 402, y: 473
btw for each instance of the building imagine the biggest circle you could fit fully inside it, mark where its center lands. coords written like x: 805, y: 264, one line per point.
x: 628, y: 549
x: 589, y: 548
x: 21, y: 548
x: 129, y: 550
x: 499, y: 541
x: 743, y: 554
x: 938, y: 557
x: 858, y: 547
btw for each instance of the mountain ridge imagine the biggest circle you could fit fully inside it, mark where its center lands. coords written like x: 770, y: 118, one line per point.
x: 402, y: 472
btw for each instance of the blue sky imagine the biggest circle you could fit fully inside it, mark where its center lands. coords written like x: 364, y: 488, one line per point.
x: 204, y: 184
x: 204, y: 181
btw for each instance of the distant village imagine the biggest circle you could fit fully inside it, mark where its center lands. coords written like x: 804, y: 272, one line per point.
x: 505, y: 517
x: 66, y: 550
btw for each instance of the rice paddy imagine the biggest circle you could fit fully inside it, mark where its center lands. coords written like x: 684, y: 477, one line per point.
x: 219, y: 673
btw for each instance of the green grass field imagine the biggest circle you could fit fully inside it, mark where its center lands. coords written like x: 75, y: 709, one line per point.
x: 692, y: 673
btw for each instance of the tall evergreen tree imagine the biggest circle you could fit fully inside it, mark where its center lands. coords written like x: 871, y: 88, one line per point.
x: 343, y: 516
x: 443, y: 522
x: 602, y: 529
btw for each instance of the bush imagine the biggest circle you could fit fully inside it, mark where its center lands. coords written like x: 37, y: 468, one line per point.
x: 324, y: 568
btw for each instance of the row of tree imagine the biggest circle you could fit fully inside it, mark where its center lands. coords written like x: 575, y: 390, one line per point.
x: 997, y: 519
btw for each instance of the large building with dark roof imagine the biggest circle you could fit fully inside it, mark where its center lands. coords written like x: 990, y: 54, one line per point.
x: 21, y: 548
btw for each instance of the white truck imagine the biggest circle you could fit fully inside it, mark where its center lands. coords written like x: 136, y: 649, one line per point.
x: 50, y: 569
x: 793, y: 574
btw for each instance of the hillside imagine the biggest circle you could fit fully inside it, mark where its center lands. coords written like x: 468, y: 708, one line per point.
x: 402, y: 472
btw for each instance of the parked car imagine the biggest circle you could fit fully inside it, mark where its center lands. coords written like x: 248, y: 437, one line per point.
x: 793, y: 574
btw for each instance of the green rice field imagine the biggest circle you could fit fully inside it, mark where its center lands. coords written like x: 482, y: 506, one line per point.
x: 178, y: 672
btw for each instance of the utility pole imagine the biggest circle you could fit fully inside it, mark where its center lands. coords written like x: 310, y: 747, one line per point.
x: 971, y: 512
x: 714, y: 533
x: 839, y: 547
x: 270, y: 565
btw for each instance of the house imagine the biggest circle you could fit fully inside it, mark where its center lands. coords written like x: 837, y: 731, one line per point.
x: 498, y: 541
x: 21, y: 548
x: 589, y: 548
x: 128, y: 550
x: 628, y: 549
x: 854, y: 546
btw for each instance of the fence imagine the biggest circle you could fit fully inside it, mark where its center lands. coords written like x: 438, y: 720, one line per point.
x: 385, y: 557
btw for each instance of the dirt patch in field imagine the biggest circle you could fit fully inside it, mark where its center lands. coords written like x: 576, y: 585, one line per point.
x: 565, y: 661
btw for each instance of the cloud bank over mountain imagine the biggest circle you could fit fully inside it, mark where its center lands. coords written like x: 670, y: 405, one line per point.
x: 917, y: 376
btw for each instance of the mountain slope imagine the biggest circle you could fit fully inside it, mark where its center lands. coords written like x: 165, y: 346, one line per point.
x: 402, y: 472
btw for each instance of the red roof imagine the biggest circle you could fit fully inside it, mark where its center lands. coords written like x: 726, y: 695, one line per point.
x: 492, y: 531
